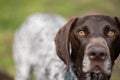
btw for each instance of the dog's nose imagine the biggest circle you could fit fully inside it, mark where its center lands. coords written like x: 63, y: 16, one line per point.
x: 97, y: 53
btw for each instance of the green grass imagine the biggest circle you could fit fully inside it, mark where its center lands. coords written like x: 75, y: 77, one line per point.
x: 6, y: 59
x: 14, y: 12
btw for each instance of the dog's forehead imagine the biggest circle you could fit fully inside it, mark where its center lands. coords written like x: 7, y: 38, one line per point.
x: 97, y: 20
x: 97, y: 17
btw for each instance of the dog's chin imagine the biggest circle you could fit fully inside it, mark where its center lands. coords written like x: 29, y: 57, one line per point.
x: 97, y: 74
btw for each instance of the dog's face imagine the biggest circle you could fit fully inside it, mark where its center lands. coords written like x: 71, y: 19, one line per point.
x: 95, y: 44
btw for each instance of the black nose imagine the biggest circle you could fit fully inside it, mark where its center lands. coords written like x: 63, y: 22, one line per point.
x: 97, y: 53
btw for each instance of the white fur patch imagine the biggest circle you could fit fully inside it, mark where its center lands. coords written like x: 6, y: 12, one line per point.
x: 86, y: 64
x: 34, y: 48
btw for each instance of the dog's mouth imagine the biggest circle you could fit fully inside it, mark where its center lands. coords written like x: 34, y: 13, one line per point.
x: 96, y: 76
x: 96, y: 73
x: 96, y: 70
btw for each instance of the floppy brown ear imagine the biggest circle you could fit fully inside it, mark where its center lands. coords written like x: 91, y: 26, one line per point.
x: 118, y: 20
x: 62, y: 41
x: 118, y: 23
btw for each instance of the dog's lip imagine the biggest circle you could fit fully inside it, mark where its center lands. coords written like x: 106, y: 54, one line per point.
x: 96, y: 70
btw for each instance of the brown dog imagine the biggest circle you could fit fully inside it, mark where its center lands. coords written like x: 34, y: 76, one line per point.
x: 91, y: 44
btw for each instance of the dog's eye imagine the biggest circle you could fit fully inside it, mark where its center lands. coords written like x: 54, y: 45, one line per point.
x: 81, y: 33
x: 111, y: 33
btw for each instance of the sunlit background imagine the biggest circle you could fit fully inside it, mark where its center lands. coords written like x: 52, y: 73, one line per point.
x: 14, y: 12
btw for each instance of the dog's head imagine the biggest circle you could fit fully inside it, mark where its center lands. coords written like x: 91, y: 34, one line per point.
x: 92, y: 43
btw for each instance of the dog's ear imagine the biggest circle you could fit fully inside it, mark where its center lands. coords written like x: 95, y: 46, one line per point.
x: 62, y: 41
x: 117, y: 19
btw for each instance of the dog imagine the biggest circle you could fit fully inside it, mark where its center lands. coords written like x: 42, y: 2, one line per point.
x: 34, y: 48
x: 89, y: 46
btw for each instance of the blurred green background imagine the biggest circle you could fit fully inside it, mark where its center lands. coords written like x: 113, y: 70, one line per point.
x: 14, y: 12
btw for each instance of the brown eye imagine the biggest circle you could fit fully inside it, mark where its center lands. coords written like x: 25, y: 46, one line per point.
x: 81, y: 33
x: 111, y: 33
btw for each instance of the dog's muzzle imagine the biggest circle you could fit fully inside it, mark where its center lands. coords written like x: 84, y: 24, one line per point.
x: 97, y: 57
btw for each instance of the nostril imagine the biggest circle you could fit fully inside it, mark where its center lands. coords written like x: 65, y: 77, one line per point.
x: 102, y: 55
x: 92, y: 55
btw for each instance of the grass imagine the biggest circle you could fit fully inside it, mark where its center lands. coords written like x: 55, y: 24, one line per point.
x: 6, y: 62
x: 14, y: 12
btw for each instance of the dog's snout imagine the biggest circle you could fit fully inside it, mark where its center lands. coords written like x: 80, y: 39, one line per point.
x: 97, y: 49
x: 97, y: 53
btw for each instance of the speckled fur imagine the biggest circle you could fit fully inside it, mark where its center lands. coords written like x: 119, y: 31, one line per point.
x: 34, y: 48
